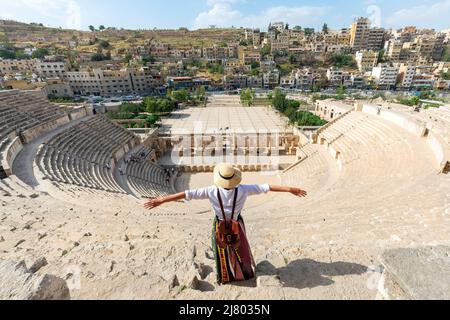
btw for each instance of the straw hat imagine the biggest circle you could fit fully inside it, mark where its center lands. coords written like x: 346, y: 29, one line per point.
x: 226, y: 176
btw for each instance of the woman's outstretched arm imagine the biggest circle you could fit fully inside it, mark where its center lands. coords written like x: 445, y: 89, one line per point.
x: 295, y: 191
x: 153, y: 203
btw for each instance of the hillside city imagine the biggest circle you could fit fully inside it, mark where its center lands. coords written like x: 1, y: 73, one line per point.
x: 110, y: 62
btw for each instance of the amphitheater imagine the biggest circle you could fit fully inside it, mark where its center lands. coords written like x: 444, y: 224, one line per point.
x: 71, y: 201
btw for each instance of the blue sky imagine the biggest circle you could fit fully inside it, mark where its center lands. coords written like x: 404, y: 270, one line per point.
x: 135, y: 14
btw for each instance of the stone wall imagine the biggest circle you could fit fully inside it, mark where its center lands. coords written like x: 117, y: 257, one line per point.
x: 38, y: 131
x: 77, y: 113
x: 12, y: 150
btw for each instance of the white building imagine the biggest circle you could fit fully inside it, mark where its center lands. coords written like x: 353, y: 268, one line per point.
x: 334, y: 76
x: 385, y: 75
x: 366, y: 60
x: 406, y: 74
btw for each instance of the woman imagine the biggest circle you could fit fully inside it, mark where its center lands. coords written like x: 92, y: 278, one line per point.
x: 234, y: 260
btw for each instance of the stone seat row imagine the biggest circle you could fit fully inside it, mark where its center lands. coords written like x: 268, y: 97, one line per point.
x: 84, y: 154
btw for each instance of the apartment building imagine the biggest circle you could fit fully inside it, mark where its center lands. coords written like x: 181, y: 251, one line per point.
x: 52, y: 68
x: 253, y: 37
x: 56, y: 87
x: 288, y: 81
x: 109, y: 83
x: 423, y: 81
x: 363, y: 37
x: 12, y: 66
x: 406, y: 72
x: 247, y: 56
x: 304, y: 79
x: 254, y: 82
x: 279, y: 26
x: 393, y: 49
x: 232, y: 82
x: 334, y: 76
x: 215, y: 53
x: 385, y: 75
x: 271, y: 79
x: 366, y: 60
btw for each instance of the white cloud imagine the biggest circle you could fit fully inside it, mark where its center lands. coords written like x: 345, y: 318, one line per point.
x: 66, y: 13
x: 423, y: 15
x: 224, y: 14
x: 220, y: 14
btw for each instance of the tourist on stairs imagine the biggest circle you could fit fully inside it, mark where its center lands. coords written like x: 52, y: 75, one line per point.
x: 234, y: 260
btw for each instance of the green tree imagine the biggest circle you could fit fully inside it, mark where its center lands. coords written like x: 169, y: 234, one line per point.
x: 180, y: 96
x: 104, y: 44
x: 255, y: 65
x: 291, y: 59
x: 40, y: 53
x: 7, y: 54
x: 446, y: 56
x: 101, y: 27
x: 92, y: 28
x: 325, y: 28
x: 243, y: 43
x: 343, y: 60
x: 445, y: 75
x: 266, y: 50
x: 309, y: 31
x: 128, y: 58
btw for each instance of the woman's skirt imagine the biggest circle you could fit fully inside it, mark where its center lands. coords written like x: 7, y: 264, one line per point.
x: 233, y: 264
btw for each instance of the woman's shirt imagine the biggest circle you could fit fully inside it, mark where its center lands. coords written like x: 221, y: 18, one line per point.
x: 227, y: 197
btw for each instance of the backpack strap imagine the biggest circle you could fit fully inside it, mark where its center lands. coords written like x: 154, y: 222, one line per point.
x: 236, y: 191
x: 221, y: 204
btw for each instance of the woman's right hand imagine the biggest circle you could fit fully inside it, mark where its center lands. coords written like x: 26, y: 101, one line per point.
x: 299, y: 192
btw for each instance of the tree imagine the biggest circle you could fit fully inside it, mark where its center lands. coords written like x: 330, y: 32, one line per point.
x: 446, y: 56
x: 309, y: 31
x: 92, y: 28
x: 291, y: 59
x: 265, y: 51
x: 98, y: 57
x: 39, y: 53
x: 343, y: 60
x: 298, y: 28
x: 247, y: 97
x: 325, y: 29
x: 243, y: 43
x: 180, y: 96
x: 255, y: 65
x: 445, y: 75
x: 104, y: 44
x: 6, y: 54
x: 286, y: 27
x: 128, y: 58
x: 101, y: 27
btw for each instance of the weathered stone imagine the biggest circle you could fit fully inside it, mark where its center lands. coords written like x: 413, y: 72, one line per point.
x: 38, y: 264
x: 422, y: 273
x: 18, y: 283
x: 19, y: 243
x: 268, y: 281
x: 173, y: 283
x: 194, y: 284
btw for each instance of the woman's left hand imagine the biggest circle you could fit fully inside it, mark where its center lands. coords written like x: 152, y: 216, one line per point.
x: 153, y: 203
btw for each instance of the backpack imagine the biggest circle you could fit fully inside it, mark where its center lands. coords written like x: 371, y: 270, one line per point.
x: 228, y: 232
